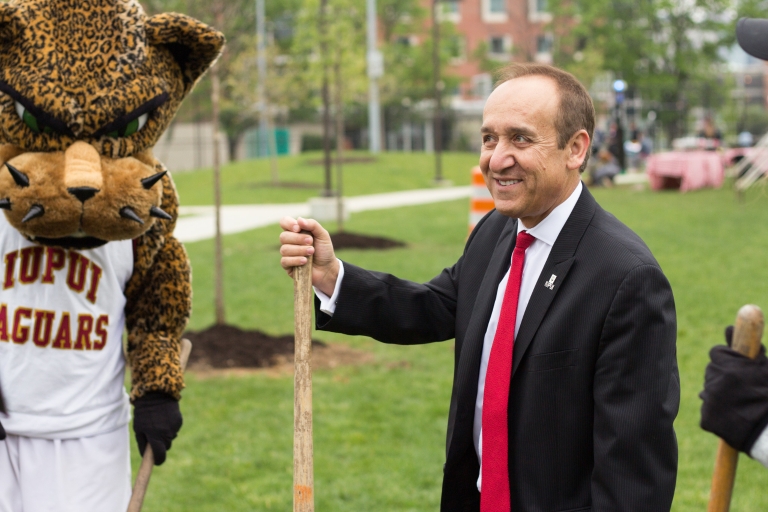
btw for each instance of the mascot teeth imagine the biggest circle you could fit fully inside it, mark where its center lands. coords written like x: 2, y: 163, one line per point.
x: 5, y: 204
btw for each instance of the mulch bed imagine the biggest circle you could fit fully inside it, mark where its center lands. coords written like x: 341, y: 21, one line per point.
x: 347, y: 240
x: 226, y: 346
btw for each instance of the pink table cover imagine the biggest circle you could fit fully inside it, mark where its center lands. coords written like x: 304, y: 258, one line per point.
x: 696, y: 169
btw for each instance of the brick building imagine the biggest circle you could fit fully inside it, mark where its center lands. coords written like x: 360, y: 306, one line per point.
x: 502, y: 30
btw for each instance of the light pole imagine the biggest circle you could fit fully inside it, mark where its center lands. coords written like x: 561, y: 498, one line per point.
x: 375, y: 71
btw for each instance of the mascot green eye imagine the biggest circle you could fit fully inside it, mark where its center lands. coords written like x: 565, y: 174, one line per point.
x: 31, y: 121
x: 130, y: 128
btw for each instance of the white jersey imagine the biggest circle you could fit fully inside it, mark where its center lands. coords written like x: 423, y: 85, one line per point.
x: 62, y: 316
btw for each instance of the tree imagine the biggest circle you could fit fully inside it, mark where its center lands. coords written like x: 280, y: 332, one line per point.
x: 666, y: 50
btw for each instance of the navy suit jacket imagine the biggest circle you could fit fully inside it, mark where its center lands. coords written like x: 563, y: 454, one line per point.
x: 595, y: 387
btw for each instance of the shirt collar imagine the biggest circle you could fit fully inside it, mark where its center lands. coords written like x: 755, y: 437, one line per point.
x: 549, y: 228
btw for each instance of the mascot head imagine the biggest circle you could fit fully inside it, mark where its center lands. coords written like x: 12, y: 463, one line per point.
x: 87, y: 87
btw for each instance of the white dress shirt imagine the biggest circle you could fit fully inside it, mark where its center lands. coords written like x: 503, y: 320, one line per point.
x: 545, y: 232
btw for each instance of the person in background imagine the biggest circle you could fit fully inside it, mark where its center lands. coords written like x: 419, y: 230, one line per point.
x: 735, y: 395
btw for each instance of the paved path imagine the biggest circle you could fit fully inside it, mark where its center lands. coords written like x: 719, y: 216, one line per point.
x: 198, y: 222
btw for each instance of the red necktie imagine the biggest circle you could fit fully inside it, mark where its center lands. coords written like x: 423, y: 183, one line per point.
x: 495, y: 493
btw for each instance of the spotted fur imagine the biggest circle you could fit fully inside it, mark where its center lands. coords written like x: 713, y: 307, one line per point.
x: 84, y: 69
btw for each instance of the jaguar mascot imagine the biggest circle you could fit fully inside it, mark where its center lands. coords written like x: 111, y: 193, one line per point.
x: 87, y: 251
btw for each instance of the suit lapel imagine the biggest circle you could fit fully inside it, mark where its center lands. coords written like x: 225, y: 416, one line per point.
x: 558, y: 263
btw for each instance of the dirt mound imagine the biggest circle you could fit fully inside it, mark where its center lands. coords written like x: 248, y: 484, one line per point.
x: 229, y: 347
x: 347, y: 240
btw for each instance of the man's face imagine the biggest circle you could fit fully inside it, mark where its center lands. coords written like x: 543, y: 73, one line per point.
x: 527, y: 174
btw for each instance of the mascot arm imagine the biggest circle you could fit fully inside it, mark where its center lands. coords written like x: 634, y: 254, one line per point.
x: 159, y: 299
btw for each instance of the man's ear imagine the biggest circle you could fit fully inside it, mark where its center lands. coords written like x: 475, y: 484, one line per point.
x: 193, y: 44
x: 578, y: 148
x: 11, y: 24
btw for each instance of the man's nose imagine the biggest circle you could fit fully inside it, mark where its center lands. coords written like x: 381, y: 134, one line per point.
x: 502, y: 158
x: 82, y: 171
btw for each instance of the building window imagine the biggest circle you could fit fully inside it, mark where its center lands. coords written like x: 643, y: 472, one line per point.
x: 497, y: 44
x: 544, y: 44
x: 448, y: 10
x: 538, y: 11
x: 456, y: 48
x: 482, y: 85
x: 497, y: 7
x: 494, y: 11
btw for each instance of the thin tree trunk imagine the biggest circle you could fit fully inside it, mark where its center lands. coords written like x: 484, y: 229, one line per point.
x: 323, y: 27
x: 219, y: 263
x: 339, y: 144
x: 438, y: 119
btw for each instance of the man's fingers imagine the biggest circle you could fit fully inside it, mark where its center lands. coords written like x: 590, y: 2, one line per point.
x: 289, y: 238
x: 289, y: 262
x: 289, y: 224
x: 313, y: 227
x: 296, y: 250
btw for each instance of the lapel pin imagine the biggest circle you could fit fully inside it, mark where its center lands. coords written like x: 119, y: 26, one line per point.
x: 551, y: 283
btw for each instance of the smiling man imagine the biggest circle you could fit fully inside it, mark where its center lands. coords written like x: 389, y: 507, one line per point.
x: 565, y: 378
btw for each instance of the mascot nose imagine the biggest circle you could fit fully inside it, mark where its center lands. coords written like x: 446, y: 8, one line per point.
x: 82, y: 170
x: 83, y: 193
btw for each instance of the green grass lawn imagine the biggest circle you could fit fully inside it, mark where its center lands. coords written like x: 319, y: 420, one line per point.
x: 302, y: 177
x: 379, y: 428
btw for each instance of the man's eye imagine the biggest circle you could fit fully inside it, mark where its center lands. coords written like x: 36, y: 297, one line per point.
x: 130, y: 128
x: 519, y: 138
x: 31, y: 121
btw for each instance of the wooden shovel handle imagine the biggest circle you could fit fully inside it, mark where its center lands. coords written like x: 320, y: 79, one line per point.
x: 303, y: 473
x: 747, y: 334
x: 148, y: 460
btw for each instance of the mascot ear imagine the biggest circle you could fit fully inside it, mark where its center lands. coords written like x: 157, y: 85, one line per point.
x: 10, y: 23
x: 193, y: 44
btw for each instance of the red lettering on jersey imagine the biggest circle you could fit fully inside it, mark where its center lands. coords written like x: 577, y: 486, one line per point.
x: 21, y: 332
x: 29, y: 269
x: 78, y: 265
x: 63, y: 337
x: 84, y: 328
x: 41, y: 335
x: 95, y: 278
x: 3, y: 322
x: 10, y: 267
x: 54, y: 260
x: 101, y: 324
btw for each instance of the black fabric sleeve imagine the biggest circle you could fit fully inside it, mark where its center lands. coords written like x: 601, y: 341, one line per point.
x: 394, y: 310
x: 637, y: 395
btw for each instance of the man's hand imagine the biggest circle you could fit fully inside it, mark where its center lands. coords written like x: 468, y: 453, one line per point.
x: 295, y: 246
x: 735, y: 396
x: 156, y: 420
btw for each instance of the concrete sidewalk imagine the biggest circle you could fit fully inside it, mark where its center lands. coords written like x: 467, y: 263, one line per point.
x: 199, y: 222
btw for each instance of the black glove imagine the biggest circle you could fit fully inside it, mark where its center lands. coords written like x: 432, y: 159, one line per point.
x: 735, y: 396
x: 157, y: 420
